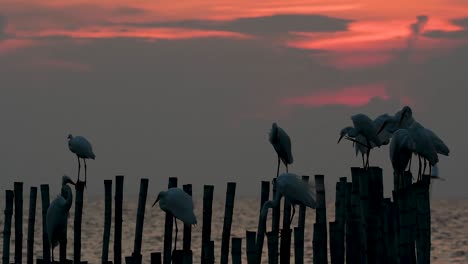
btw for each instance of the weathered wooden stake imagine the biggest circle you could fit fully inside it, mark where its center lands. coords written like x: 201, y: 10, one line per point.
x: 353, y: 223
x: 299, y: 245
x: 275, y: 223
x: 45, y: 206
x: 285, y: 243
x: 156, y: 258
x: 302, y: 209
x: 187, y: 240
x: 136, y: 255
x: 333, y: 242
x: 236, y: 250
x: 250, y: 247
x: 209, y: 252
x: 107, y: 220
x: 364, y: 209
x: 79, y: 189
x: 31, y: 221
x: 63, y: 242
x: 18, y: 188
x: 261, y: 229
x: 375, y: 216
x: 272, y: 248
x: 228, y: 211
x: 424, y: 220
x: 9, y: 196
x: 319, y: 242
x: 119, y: 180
x: 207, y: 214
x: 168, y: 226
x: 340, y: 219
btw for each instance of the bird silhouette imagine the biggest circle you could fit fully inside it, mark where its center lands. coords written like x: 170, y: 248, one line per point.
x: 282, y: 145
x: 179, y: 204
x: 83, y: 149
x: 364, y: 127
x: 293, y: 188
x: 57, y: 215
x: 402, y: 147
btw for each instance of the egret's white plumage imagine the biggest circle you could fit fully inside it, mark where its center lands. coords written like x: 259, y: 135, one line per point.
x: 82, y: 149
x: 293, y: 188
x: 401, y: 150
x: 178, y: 203
x: 424, y: 146
x: 57, y: 214
x: 282, y: 145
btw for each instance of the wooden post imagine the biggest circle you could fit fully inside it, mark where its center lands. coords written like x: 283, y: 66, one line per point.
x: 319, y: 242
x: 333, y: 242
x: 119, y: 180
x: 228, y: 211
x: 178, y: 257
x: 389, y: 252
x: 302, y: 209
x: 18, y: 188
x: 209, y: 252
x: 364, y: 206
x: 31, y: 221
x: 168, y: 225
x: 236, y: 250
x: 375, y: 216
x: 207, y: 214
x: 107, y: 220
x: 156, y: 258
x: 9, y: 196
x: 424, y: 220
x: 136, y: 255
x: 353, y: 223
x: 187, y: 239
x: 272, y: 248
x: 45, y: 206
x: 261, y: 229
x: 340, y: 216
x: 285, y: 243
x: 250, y: 247
x: 79, y: 189
x: 275, y: 223
x: 403, y: 213
x: 299, y: 245
x: 395, y: 227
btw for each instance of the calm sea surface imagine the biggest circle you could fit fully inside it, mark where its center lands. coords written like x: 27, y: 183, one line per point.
x: 449, y: 229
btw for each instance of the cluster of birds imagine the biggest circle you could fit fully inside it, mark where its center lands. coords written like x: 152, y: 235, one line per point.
x: 404, y: 134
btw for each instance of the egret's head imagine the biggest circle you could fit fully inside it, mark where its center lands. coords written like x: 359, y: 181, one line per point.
x: 273, y: 133
x: 66, y: 180
x: 406, y: 111
x: 70, y: 136
x: 160, y: 195
x: 344, y: 132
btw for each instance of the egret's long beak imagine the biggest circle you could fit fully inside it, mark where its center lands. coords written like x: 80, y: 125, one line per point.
x: 341, y: 137
x: 71, y: 182
x: 155, y: 202
x: 382, y: 127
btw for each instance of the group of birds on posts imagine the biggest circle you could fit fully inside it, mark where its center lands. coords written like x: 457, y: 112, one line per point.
x: 404, y: 134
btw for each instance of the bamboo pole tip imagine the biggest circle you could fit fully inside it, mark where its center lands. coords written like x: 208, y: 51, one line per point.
x: 107, y: 181
x: 343, y: 179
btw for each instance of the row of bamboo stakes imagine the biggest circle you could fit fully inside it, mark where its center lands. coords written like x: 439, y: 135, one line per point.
x: 368, y: 228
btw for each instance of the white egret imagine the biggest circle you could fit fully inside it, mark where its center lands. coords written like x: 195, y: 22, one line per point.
x: 179, y: 204
x: 282, y: 145
x: 57, y: 215
x: 402, y: 147
x: 365, y: 127
x: 82, y: 148
x: 293, y: 188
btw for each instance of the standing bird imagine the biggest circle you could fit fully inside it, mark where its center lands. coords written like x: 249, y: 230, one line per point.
x: 401, y: 150
x: 282, y: 145
x: 179, y: 204
x: 57, y: 215
x: 293, y: 188
x: 83, y: 149
x: 365, y: 127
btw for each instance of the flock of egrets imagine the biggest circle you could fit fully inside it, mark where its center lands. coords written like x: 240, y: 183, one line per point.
x: 405, y: 136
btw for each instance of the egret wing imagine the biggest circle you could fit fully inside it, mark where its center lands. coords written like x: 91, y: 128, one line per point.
x: 296, y: 190
x: 180, y: 204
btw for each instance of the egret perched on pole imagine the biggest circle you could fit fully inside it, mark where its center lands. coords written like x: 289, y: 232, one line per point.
x: 401, y: 150
x: 83, y: 149
x: 57, y: 214
x: 365, y: 127
x: 179, y: 204
x: 293, y: 188
x: 282, y: 145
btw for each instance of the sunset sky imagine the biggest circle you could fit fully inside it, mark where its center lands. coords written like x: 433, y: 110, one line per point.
x: 190, y: 88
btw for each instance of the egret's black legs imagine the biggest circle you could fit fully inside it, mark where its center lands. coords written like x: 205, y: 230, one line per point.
x: 85, y: 169
x: 79, y: 168
x: 425, y: 165
x: 293, y: 212
x: 430, y: 170
x: 277, y: 170
x: 409, y: 166
x: 419, y: 170
x: 52, y: 255
x: 363, y: 161
x: 286, y: 168
x: 176, y: 230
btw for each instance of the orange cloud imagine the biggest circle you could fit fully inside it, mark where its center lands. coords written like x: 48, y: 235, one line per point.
x: 11, y: 45
x: 351, y: 96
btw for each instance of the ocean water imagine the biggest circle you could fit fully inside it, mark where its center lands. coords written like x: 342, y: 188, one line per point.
x: 449, y: 229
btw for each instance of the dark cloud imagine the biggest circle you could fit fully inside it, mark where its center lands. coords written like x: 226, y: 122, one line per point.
x: 267, y: 25
x: 459, y: 34
x: 463, y: 22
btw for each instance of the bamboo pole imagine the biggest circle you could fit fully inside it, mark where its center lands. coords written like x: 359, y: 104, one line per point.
x: 375, y: 216
x: 9, y: 196
x: 156, y: 258
x: 340, y: 215
x: 45, y: 206
x: 168, y: 226
x: 18, y: 188
x: 187, y: 239
x: 275, y: 223
x: 299, y: 245
x: 209, y: 252
x: 364, y: 206
x: 265, y: 193
x: 236, y: 250
x: 250, y: 247
x: 285, y: 243
x: 119, y: 180
x: 272, y: 248
x: 319, y: 242
x: 302, y: 209
x: 31, y: 221
x: 353, y: 224
x: 333, y: 242
x: 79, y: 189
x: 424, y: 220
x: 228, y: 211
x: 136, y: 255
x: 107, y: 220
x: 207, y: 214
